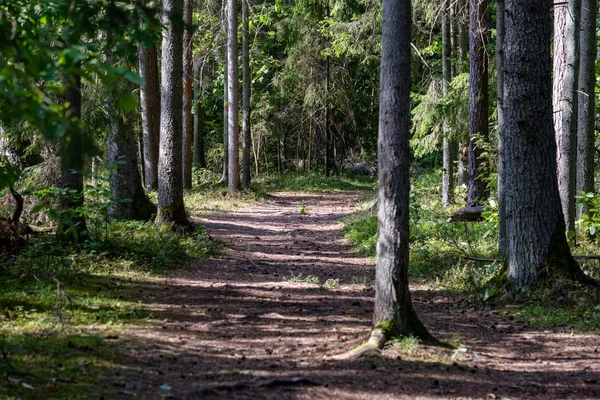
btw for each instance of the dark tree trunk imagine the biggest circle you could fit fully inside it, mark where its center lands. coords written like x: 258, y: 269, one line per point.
x: 129, y: 198
x: 72, y: 223
x: 170, y: 190
x: 394, y: 313
x: 187, y: 96
x: 500, y: 105
x: 449, y: 144
x: 247, y: 81
x: 587, y: 101
x: 566, y: 67
x: 199, y: 151
x: 233, y: 90
x: 536, y: 245
x: 150, y: 102
x: 478, y: 191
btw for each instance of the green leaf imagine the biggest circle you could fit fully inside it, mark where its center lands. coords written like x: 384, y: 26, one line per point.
x: 127, y: 101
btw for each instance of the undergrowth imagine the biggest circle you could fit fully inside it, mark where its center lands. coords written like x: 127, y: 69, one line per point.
x: 62, y: 305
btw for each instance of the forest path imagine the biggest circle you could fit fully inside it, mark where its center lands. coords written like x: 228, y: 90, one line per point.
x: 238, y: 327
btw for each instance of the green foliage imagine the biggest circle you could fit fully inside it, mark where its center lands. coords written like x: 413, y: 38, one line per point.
x: 300, y: 278
x: 589, y: 224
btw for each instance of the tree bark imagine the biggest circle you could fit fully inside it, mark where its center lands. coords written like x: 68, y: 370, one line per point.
x: 187, y: 96
x: 449, y: 144
x: 129, y: 200
x: 566, y: 69
x: 500, y: 104
x: 586, y: 101
x: 247, y: 82
x: 536, y: 245
x: 233, y: 90
x: 478, y: 190
x: 72, y: 223
x: 199, y: 151
x: 225, y: 101
x: 170, y: 191
x: 150, y: 102
x: 463, y: 52
x: 394, y: 313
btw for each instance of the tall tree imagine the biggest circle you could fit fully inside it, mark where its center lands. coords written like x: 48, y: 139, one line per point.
x: 536, y: 245
x: 150, y: 102
x: 247, y: 83
x: 463, y: 57
x: 199, y: 116
x: 449, y: 145
x: 586, y: 101
x: 394, y: 313
x: 187, y: 96
x: 170, y: 190
x: 566, y: 73
x: 500, y: 106
x: 72, y: 222
x: 478, y: 100
x: 129, y: 198
x: 224, y: 177
x: 232, y: 91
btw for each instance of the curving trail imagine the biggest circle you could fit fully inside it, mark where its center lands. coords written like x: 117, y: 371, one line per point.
x: 238, y: 327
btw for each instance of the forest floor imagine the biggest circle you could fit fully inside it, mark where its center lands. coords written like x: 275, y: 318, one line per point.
x: 256, y: 324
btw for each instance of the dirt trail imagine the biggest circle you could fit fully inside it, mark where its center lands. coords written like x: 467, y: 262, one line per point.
x: 235, y: 329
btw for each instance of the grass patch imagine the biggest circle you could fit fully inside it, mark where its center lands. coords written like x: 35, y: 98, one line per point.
x: 311, y: 182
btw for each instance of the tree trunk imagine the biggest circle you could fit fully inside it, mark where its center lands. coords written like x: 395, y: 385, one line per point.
x: 536, y: 245
x: 129, y: 200
x: 449, y: 145
x: 394, y: 313
x: 247, y: 81
x: 586, y: 102
x: 500, y: 104
x: 170, y: 190
x: 233, y: 90
x: 150, y: 102
x: 463, y: 53
x: 199, y: 157
x: 187, y: 97
x: 478, y: 190
x: 225, y: 105
x: 566, y: 67
x: 72, y: 223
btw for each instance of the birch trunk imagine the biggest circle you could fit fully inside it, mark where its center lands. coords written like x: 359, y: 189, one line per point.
x: 566, y: 70
x: 232, y: 90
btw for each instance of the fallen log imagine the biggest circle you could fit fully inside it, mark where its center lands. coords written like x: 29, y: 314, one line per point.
x: 467, y: 214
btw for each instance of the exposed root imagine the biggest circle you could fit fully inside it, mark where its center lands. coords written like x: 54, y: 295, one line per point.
x: 372, y: 347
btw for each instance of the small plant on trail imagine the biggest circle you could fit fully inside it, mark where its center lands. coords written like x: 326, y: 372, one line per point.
x: 304, y: 209
x: 368, y: 283
x: 315, y: 280
x: 332, y: 284
x: 407, y: 344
